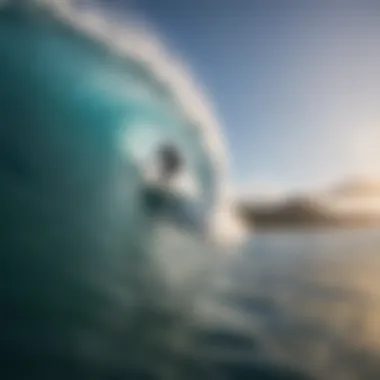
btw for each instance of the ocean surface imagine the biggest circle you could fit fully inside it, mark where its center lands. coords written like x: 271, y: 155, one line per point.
x: 299, y: 305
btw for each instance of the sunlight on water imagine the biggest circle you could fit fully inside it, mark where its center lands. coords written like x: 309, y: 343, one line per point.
x: 316, y: 299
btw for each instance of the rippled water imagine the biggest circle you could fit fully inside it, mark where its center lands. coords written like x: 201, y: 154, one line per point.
x: 302, y: 305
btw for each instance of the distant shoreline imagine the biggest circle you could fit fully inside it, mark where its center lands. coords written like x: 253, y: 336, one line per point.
x: 303, y: 218
x: 352, y: 204
x: 312, y: 228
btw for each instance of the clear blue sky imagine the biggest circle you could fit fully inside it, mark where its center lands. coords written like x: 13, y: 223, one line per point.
x: 297, y: 83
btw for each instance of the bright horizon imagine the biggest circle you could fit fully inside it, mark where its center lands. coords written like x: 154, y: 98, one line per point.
x: 296, y: 86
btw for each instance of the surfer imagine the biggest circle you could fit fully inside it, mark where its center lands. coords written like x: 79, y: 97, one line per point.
x: 170, y: 160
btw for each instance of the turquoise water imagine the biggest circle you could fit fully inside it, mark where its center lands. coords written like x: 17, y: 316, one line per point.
x: 90, y: 286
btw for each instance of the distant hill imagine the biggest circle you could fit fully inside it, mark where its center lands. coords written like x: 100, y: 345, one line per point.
x: 294, y: 212
x: 339, y: 205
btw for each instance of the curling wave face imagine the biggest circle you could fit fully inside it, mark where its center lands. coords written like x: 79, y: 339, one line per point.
x: 103, y: 242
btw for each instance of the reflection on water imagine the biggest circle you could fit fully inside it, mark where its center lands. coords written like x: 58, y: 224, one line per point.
x: 310, y: 301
